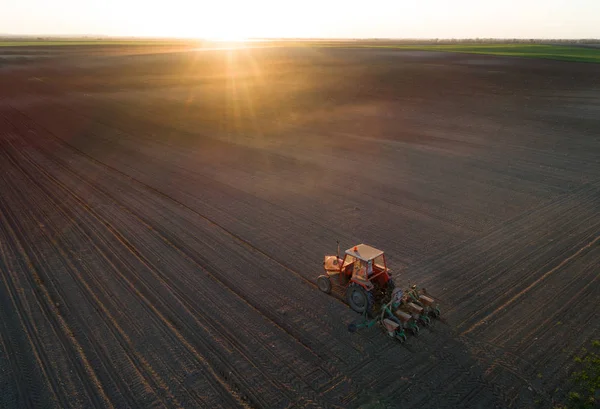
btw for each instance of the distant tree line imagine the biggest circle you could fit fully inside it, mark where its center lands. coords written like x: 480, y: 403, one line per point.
x: 485, y: 40
x: 518, y: 41
x: 418, y: 41
x: 407, y: 41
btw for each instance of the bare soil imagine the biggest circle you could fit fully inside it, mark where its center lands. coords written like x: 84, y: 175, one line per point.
x: 164, y: 215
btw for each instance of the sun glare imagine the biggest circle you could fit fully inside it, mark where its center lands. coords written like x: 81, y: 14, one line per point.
x: 229, y: 38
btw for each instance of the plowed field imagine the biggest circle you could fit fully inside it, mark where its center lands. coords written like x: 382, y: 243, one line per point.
x: 164, y: 215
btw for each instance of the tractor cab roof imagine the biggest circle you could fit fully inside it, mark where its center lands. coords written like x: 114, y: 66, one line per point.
x: 364, y: 252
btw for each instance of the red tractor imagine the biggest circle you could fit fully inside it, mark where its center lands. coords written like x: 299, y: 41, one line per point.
x: 363, y: 273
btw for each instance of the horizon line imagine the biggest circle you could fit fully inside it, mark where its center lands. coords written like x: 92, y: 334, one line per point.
x: 107, y: 37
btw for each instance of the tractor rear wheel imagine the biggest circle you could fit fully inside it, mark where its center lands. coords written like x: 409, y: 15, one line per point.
x: 359, y: 299
x: 324, y: 284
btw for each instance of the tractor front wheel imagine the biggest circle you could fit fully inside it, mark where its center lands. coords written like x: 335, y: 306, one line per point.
x: 324, y: 284
x: 359, y: 299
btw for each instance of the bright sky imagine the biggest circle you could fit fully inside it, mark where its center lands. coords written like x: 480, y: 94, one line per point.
x: 233, y: 19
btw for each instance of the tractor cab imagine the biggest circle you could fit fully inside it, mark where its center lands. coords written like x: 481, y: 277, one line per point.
x: 365, y: 265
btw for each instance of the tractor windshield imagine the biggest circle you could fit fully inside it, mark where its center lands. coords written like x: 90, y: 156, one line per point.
x: 379, y: 264
x: 348, y: 260
x: 360, y: 270
x: 363, y: 269
x: 355, y: 267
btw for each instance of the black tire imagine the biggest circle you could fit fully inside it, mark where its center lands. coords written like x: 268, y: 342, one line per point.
x: 359, y: 299
x: 324, y: 284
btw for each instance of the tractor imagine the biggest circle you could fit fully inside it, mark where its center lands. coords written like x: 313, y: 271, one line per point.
x: 363, y: 273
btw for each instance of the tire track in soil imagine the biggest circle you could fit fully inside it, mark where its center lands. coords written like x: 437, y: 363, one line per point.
x: 339, y: 188
x: 77, y: 113
x: 209, y: 220
x: 170, y: 198
x: 72, y: 110
x: 494, y: 248
x: 385, y: 203
x: 217, y: 218
x: 61, y: 307
x: 86, y: 374
x: 67, y: 108
x: 314, y: 398
x: 508, y: 230
x: 145, y: 221
x: 8, y: 351
x: 530, y: 286
x: 298, y: 212
x: 79, y: 279
x: 204, y: 267
x: 462, y: 380
x: 510, y: 365
x: 226, y: 375
x: 8, y: 376
x: 139, y: 114
x: 537, y: 262
x: 507, y: 362
x: 99, y: 348
x: 571, y: 287
x: 34, y: 335
x: 579, y: 232
x: 189, y: 252
x: 20, y: 374
x: 548, y: 341
x: 15, y: 348
x: 448, y: 369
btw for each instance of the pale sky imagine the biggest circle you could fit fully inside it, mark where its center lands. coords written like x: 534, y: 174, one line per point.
x: 233, y: 19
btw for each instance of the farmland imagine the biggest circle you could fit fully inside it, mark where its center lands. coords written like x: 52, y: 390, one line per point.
x: 164, y: 215
x: 545, y: 51
x: 520, y: 48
